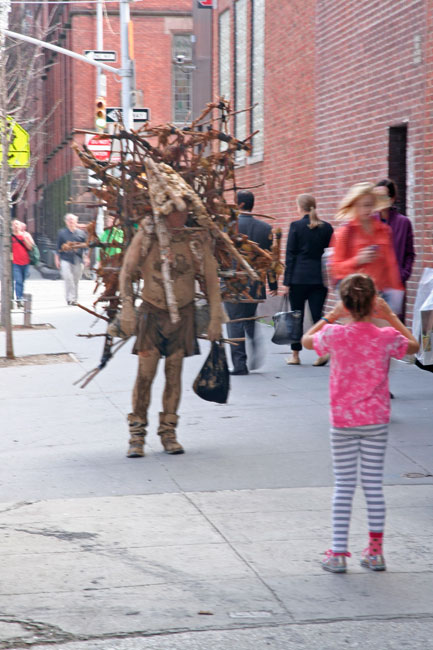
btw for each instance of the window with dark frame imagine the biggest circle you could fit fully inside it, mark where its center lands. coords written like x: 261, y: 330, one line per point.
x: 397, y: 165
x: 240, y: 68
x: 182, y: 79
x: 257, y: 74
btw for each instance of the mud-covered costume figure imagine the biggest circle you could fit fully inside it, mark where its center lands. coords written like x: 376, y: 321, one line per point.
x: 190, y: 256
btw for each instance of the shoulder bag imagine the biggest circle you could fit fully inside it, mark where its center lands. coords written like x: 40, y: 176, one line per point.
x: 288, y: 324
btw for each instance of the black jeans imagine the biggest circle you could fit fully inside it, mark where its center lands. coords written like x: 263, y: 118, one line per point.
x: 239, y: 330
x: 316, y: 296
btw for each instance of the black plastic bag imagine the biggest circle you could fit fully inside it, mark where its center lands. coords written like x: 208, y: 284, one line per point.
x: 288, y: 325
x: 213, y: 381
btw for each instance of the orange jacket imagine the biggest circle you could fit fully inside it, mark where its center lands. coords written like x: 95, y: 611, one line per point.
x: 347, y: 242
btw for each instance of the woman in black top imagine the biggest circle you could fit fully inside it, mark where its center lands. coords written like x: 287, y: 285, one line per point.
x: 307, y: 240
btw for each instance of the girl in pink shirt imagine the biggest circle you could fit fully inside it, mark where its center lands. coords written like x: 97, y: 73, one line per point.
x: 360, y: 408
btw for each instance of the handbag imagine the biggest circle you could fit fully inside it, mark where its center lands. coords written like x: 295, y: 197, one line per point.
x: 213, y: 381
x: 288, y: 325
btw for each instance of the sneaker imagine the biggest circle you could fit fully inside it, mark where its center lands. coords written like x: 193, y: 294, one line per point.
x: 335, y: 563
x: 373, y: 562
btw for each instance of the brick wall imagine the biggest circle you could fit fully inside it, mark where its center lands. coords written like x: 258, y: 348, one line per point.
x: 338, y: 75
x: 287, y: 167
x: 369, y: 77
x: 69, y: 90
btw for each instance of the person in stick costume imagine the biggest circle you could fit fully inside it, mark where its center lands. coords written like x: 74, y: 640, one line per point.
x: 170, y: 257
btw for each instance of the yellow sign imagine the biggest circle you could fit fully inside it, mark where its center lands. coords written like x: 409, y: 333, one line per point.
x: 19, y: 148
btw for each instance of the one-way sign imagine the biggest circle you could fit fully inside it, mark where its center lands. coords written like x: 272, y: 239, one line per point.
x: 140, y: 114
x: 101, y: 55
x: 114, y: 113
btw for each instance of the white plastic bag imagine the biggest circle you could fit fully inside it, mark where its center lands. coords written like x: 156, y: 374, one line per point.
x: 422, y: 327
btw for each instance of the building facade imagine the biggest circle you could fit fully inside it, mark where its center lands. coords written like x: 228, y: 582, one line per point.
x: 344, y: 95
x: 66, y: 96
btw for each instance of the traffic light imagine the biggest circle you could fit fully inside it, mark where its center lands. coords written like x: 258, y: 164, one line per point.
x: 101, y: 113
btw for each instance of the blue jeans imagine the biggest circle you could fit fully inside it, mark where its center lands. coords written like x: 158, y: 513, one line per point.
x: 20, y: 273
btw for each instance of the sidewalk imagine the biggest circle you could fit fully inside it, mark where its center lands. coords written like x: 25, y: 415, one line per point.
x: 218, y: 548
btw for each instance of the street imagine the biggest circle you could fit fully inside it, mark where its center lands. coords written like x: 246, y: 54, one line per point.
x: 217, y: 548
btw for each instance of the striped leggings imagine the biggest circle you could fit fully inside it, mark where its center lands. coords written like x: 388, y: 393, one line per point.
x: 369, y: 444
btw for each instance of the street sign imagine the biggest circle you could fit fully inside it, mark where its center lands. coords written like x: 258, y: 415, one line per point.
x: 101, y: 55
x: 19, y: 148
x: 140, y: 114
x: 101, y: 149
x: 114, y: 113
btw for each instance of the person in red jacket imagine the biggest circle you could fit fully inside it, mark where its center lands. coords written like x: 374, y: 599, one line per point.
x: 22, y: 243
x: 364, y: 244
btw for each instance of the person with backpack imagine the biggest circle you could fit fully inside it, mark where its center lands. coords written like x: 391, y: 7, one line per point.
x: 22, y: 244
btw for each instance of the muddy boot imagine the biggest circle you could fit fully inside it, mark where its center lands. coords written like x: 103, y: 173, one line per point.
x: 167, y: 433
x: 137, y: 433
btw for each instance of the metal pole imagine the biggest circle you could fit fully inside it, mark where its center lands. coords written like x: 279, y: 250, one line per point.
x: 126, y: 64
x: 100, y: 90
x: 63, y: 50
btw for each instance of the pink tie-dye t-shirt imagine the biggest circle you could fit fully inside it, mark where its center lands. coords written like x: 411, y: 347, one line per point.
x: 360, y: 357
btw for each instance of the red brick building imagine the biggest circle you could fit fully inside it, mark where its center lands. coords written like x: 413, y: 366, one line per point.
x: 345, y: 95
x: 162, y: 28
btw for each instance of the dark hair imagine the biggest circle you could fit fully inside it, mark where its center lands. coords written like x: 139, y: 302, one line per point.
x: 358, y: 292
x: 247, y: 198
x: 390, y: 186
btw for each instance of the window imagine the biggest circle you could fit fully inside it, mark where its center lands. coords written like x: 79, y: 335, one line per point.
x: 397, y: 149
x: 241, y: 68
x: 258, y: 74
x: 224, y: 54
x: 182, y: 79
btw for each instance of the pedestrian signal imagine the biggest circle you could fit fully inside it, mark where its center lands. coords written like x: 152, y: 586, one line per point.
x: 101, y: 113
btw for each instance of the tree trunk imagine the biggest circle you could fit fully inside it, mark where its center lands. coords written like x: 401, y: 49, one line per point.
x: 6, y: 265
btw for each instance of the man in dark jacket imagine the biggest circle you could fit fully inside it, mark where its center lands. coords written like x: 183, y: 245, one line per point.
x: 260, y: 233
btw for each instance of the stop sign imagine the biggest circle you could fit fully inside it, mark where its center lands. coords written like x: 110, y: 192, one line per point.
x: 100, y: 148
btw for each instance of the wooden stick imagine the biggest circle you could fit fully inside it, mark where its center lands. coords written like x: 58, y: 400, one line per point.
x: 94, y: 313
x: 229, y: 341
x: 238, y: 320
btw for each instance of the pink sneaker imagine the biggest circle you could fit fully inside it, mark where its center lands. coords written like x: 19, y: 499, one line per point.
x: 373, y: 562
x: 336, y: 563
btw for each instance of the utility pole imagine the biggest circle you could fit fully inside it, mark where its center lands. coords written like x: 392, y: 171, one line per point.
x: 101, y: 91
x: 101, y: 81
x: 126, y: 63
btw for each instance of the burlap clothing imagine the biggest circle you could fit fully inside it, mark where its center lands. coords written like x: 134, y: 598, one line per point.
x: 191, y: 259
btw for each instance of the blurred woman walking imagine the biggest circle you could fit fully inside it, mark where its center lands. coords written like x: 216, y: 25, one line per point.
x: 364, y: 244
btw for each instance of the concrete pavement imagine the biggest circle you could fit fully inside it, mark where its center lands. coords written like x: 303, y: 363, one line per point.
x: 217, y: 548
